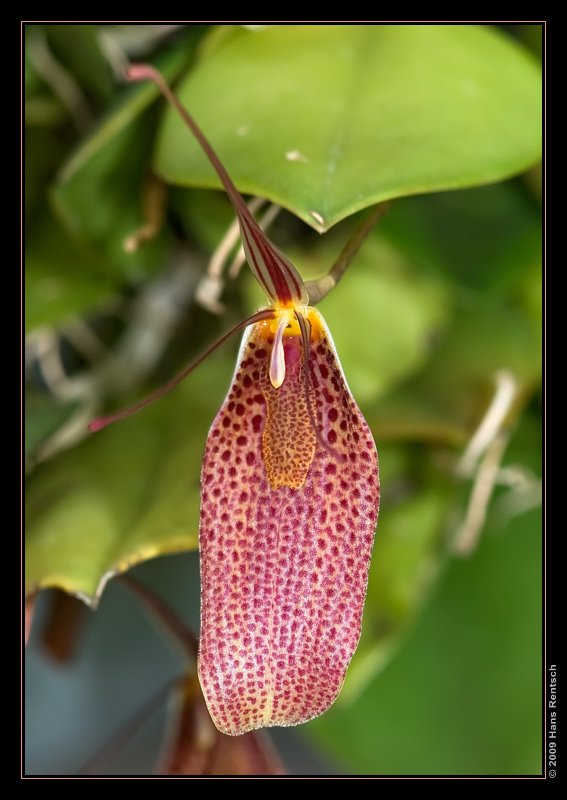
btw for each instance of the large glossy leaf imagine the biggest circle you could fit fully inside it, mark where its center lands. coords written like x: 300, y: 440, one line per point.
x: 328, y: 119
x: 127, y: 494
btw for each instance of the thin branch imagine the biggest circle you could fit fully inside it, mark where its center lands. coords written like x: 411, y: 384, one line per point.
x: 490, y: 439
x: 164, y: 615
x: 468, y: 534
x: 128, y: 730
x: 504, y: 396
x: 320, y: 288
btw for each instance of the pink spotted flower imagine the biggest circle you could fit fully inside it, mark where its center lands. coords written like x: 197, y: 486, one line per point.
x: 289, y: 504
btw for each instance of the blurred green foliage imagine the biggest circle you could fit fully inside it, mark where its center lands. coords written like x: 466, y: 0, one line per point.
x: 441, y: 299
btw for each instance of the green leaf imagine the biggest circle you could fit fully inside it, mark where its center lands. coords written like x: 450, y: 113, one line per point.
x: 126, y: 494
x: 62, y: 279
x: 328, y: 119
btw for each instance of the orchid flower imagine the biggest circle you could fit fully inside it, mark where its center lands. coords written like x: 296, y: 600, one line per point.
x: 289, y: 503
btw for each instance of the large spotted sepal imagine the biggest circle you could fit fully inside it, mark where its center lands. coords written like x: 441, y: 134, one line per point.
x: 288, y: 515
